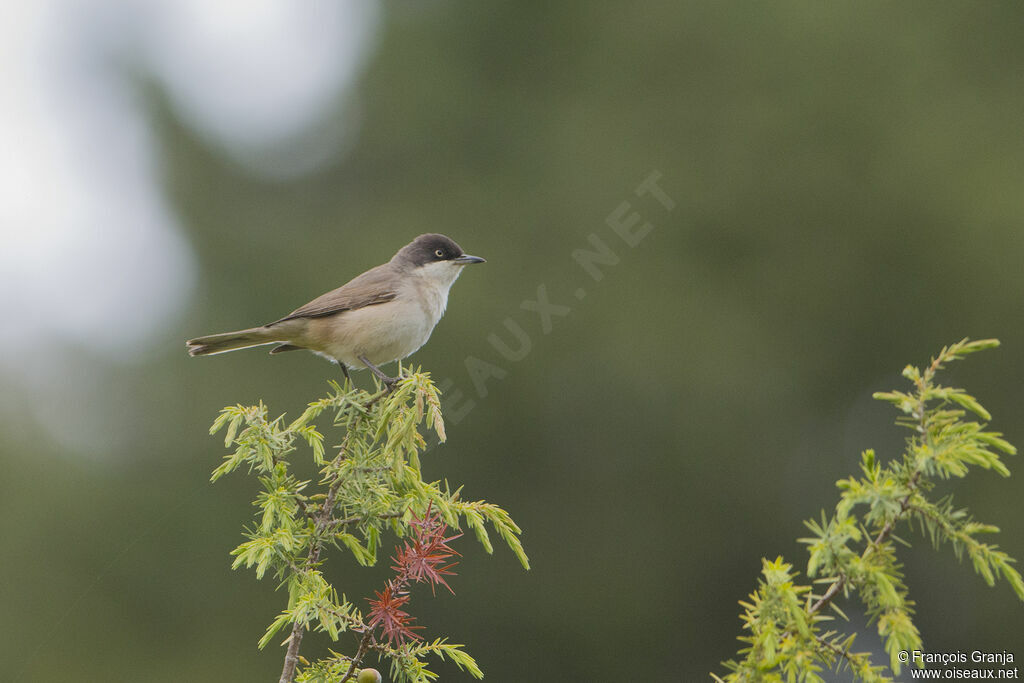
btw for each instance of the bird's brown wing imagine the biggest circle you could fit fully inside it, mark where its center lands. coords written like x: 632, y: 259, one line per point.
x: 375, y: 286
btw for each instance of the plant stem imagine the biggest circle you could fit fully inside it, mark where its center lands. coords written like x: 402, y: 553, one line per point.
x: 291, y: 657
x: 882, y: 536
x: 363, y: 644
x: 321, y: 521
x: 886, y: 530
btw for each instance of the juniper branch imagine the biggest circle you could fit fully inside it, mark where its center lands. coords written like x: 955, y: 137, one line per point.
x: 335, y: 523
x: 373, y: 478
x: 364, y: 643
x: 322, y: 519
x: 783, y: 618
x: 883, y: 535
x: 920, y: 412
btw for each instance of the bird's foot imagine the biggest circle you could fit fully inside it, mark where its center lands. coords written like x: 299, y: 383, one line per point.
x: 389, y: 382
x: 344, y: 370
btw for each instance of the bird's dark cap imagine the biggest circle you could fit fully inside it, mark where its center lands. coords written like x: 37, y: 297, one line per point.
x: 428, y: 248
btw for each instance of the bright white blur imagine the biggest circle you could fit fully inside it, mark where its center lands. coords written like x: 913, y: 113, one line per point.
x: 85, y: 233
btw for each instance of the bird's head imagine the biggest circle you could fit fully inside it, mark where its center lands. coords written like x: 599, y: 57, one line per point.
x: 436, y: 257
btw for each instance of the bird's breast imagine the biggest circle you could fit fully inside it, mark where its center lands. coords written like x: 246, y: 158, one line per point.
x: 382, y: 332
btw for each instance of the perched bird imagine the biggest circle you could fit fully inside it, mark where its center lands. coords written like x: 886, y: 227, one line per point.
x: 383, y: 315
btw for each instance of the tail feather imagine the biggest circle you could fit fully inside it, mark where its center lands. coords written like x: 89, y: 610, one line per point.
x: 230, y: 341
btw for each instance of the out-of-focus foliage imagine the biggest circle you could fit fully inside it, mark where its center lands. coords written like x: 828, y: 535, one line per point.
x: 846, y: 179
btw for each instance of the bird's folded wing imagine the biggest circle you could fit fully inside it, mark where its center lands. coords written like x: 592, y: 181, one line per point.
x: 375, y: 286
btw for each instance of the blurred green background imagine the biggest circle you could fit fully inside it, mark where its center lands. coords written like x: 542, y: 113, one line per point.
x: 848, y: 183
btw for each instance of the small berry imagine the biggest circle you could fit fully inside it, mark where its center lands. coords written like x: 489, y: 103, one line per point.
x: 368, y: 676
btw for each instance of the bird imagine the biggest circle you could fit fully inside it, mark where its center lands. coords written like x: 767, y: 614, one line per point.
x: 381, y: 316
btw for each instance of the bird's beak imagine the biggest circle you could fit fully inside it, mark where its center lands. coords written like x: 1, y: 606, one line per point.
x: 466, y: 259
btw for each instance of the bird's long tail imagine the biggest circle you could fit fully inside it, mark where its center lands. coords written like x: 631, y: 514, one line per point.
x: 230, y: 341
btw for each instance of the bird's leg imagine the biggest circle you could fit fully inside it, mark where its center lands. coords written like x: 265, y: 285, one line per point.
x: 389, y: 382
x: 344, y: 371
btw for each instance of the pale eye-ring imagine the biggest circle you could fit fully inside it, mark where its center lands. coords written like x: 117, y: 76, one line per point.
x: 439, y: 253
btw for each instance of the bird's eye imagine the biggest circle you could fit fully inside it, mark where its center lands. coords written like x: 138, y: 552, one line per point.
x: 439, y: 253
